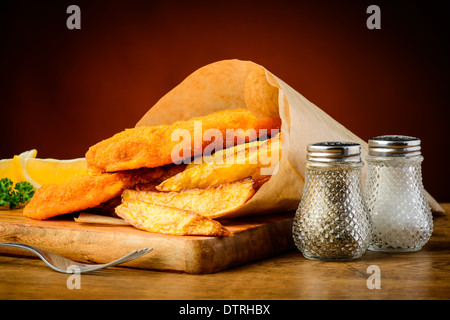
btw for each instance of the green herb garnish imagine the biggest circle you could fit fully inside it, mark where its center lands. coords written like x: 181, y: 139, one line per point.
x: 14, y: 196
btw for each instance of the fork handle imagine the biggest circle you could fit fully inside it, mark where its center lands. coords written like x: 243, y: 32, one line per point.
x: 41, y: 253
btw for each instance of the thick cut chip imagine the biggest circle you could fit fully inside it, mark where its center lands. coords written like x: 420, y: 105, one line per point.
x: 161, y: 145
x: 223, y: 155
x: 258, y: 162
x: 83, y: 192
x: 166, y: 220
x: 212, y: 202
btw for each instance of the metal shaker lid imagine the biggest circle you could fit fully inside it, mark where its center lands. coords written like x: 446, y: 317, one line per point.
x: 394, y: 146
x: 334, y: 151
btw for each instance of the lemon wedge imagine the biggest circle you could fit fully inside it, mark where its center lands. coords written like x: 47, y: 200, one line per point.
x: 45, y: 171
x: 9, y: 169
x: 29, y: 154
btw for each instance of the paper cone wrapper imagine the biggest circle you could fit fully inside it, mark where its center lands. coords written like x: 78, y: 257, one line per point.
x: 234, y: 84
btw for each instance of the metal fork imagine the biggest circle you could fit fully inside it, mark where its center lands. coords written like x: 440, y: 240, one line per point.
x: 62, y: 264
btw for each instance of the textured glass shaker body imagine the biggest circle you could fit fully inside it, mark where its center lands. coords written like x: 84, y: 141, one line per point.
x: 395, y: 196
x: 331, y: 222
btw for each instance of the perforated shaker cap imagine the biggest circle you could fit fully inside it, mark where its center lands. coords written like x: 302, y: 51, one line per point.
x: 334, y: 151
x: 394, y: 146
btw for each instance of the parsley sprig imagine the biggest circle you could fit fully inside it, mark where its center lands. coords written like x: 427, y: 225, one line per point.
x: 15, y: 195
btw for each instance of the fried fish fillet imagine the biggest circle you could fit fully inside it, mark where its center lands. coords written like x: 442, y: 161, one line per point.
x: 166, y: 220
x: 212, y: 202
x: 154, y: 146
x: 83, y: 192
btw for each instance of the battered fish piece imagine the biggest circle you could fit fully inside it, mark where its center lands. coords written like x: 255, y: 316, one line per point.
x: 153, y: 146
x: 83, y: 192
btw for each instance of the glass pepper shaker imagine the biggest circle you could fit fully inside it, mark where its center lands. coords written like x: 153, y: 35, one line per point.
x: 331, y: 222
x: 395, y: 196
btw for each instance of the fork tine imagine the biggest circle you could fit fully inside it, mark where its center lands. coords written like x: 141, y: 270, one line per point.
x: 128, y: 257
x: 134, y: 255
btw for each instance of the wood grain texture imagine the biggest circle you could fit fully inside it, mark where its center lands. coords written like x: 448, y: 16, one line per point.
x: 253, y: 238
x: 419, y: 275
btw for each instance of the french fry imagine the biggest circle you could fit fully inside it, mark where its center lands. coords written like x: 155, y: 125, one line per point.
x: 212, y: 202
x: 248, y: 162
x: 166, y: 220
x: 226, y: 154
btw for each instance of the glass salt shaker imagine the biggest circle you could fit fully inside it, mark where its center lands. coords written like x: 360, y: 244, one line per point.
x: 331, y: 222
x: 395, y: 196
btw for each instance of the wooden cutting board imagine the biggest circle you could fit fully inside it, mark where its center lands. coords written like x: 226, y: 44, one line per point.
x: 253, y: 238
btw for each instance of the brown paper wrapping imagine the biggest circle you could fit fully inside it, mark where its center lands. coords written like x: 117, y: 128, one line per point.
x: 231, y: 84
x: 84, y: 217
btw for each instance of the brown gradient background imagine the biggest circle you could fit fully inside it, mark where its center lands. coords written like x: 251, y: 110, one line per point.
x: 64, y: 90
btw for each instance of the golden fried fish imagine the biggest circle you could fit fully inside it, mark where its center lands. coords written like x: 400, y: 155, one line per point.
x: 154, y: 146
x: 83, y: 192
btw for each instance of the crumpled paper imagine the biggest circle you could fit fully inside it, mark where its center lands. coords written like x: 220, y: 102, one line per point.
x: 231, y: 84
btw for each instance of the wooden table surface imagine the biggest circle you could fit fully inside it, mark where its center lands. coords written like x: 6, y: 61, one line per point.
x: 420, y: 275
